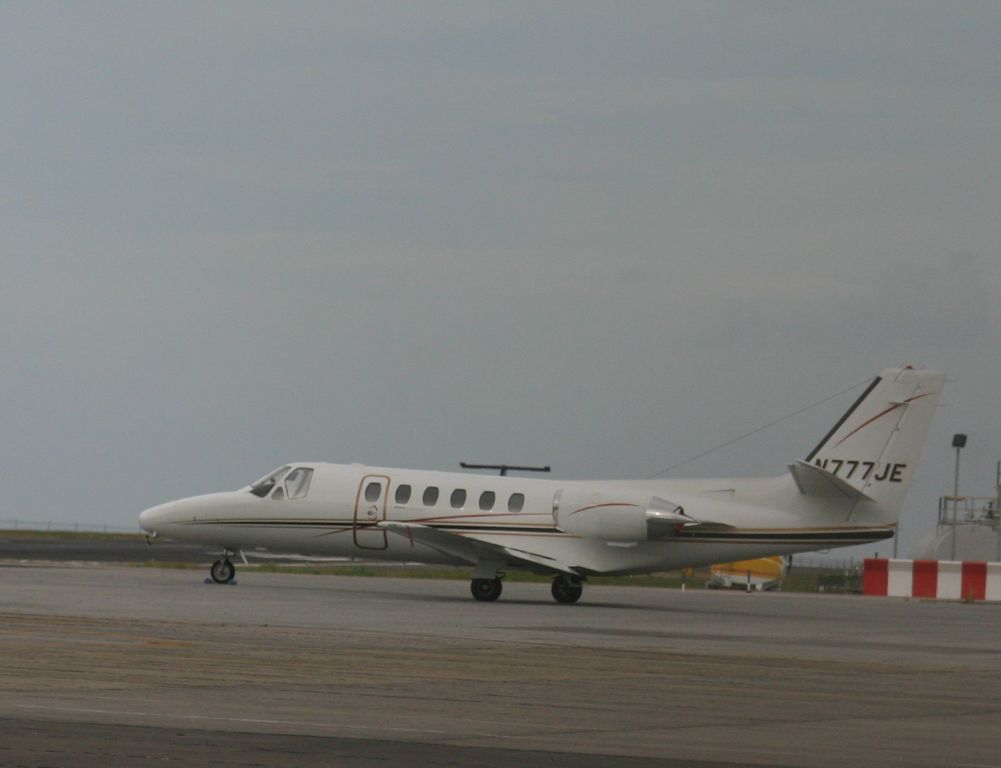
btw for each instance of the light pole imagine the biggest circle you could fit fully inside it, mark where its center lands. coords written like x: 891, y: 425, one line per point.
x: 958, y: 442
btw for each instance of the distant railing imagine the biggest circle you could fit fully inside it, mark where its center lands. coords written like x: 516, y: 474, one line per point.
x: 960, y: 510
x: 804, y: 561
x: 61, y: 526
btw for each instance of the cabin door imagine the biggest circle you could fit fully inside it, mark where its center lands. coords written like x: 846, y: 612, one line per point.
x: 370, y: 508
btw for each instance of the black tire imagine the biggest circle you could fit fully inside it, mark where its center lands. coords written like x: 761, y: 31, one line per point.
x: 222, y: 571
x: 485, y: 590
x: 567, y: 589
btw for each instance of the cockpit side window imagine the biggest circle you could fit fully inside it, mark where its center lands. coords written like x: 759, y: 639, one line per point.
x: 297, y: 482
x: 263, y: 486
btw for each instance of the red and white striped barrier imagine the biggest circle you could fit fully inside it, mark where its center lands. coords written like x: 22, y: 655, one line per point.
x: 940, y: 579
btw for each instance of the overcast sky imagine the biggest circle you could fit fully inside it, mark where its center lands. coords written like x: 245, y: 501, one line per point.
x: 602, y: 236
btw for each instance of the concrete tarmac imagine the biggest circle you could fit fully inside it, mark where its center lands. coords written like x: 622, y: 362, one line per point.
x: 109, y: 666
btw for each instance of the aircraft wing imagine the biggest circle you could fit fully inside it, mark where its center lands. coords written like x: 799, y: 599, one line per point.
x: 471, y: 549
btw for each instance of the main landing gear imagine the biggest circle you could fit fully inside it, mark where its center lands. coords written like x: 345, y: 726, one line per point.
x: 222, y: 571
x: 567, y: 589
x: 486, y: 590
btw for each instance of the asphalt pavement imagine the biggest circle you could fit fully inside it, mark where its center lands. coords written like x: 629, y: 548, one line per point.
x: 113, y: 666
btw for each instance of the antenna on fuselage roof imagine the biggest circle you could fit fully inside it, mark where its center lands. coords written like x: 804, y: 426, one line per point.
x: 503, y: 467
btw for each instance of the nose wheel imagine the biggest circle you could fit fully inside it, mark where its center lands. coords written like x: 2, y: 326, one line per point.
x: 567, y: 589
x: 222, y: 571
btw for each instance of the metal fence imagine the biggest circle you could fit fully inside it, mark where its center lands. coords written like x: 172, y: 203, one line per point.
x: 61, y: 526
x: 805, y: 561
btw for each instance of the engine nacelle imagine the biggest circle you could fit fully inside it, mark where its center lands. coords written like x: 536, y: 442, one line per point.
x: 617, y: 517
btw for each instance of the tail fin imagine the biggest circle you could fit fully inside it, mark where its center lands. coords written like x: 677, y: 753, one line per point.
x: 873, y: 449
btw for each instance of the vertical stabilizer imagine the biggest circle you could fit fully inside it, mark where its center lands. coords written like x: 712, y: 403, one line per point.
x: 876, y: 444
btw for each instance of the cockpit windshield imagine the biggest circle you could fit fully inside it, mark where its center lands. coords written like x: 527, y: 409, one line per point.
x: 263, y: 486
x: 297, y: 483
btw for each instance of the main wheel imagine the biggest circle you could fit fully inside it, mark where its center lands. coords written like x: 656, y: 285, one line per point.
x: 222, y: 571
x: 567, y: 589
x: 486, y: 590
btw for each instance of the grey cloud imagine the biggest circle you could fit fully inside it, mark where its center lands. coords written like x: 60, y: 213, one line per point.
x: 237, y: 234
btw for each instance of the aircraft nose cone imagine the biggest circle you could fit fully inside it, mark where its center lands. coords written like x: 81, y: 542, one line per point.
x: 150, y: 518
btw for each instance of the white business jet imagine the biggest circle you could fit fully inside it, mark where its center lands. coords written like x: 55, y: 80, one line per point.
x: 848, y: 490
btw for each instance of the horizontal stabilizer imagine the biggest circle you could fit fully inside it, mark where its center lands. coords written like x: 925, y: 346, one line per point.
x: 814, y: 481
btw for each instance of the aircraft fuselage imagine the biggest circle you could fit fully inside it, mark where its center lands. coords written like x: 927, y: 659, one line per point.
x: 849, y: 490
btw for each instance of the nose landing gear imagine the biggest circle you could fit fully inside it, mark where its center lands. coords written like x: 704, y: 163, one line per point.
x: 222, y: 571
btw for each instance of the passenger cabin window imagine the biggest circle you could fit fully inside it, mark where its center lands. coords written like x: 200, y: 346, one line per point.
x: 430, y: 496
x: 487, y: 500
x: 263, y: 486
x: 402, y: 494
x: 297, y: 482
x: 516, y: 502
x: 373, y: 491
x: 458, y: 498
